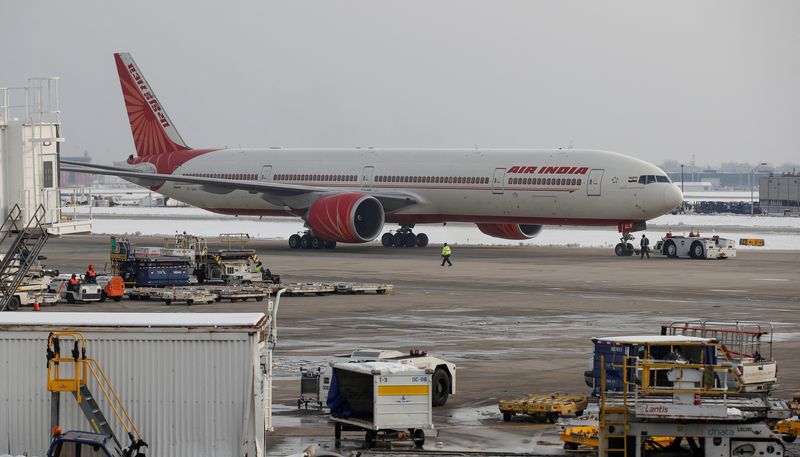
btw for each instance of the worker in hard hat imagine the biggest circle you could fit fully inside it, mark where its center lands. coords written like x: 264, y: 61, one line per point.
x: 91, y: 276
x: 73, y: 283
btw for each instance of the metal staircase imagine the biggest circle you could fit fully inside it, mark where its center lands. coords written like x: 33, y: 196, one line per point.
x: 23, y: 251
x: 76, y: 382
x: 614, y: 419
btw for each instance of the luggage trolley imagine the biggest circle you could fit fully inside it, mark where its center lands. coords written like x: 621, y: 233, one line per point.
x: 388, y: 401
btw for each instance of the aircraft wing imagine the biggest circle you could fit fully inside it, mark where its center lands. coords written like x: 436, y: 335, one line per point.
x: 293, y: 196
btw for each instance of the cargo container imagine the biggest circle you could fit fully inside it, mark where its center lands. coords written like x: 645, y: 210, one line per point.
x: 384, y: 399
x: 196, y: 384
x: 614, y: 350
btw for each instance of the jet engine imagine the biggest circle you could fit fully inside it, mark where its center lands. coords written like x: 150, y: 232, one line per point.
x: 347, y: 218
x: 511, y: 231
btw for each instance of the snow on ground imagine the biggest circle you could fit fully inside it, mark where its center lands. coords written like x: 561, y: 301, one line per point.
x: 778, y: 232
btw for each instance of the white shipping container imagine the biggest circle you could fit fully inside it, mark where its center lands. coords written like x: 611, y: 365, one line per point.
x: 196, y: 384
x: 383, y: 395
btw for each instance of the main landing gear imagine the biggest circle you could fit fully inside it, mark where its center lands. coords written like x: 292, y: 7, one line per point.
x: 624, y: 248
x: 404, y: 238
x: 308, y: 241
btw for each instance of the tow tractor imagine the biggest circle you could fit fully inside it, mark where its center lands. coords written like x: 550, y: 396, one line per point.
x: 102, y: 442
x: 696, y: 247
x: 84, y: 293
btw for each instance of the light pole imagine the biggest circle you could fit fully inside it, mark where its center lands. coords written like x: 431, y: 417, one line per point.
x: 681, y: 178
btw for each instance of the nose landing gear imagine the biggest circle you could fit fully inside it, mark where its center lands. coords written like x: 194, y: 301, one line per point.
x: 624, y: 248
x: 404, y: 237
x: 308, y: 241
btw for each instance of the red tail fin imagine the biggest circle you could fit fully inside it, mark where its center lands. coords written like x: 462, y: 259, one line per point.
x: 153, y: 131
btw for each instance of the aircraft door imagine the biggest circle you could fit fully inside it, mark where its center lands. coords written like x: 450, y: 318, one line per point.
x: 498, y: 180
x: 366, y: 178
x: 594, y: 182
x: 266, y: 173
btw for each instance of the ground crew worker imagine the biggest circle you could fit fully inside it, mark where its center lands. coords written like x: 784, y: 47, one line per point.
x: 73, y: 283
x: 446, y: 252
x: 258, y: 268
x: 645, y: 245
x: 91, y: 275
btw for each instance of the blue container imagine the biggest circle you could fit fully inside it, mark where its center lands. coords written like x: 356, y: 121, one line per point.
x: 155, y: 272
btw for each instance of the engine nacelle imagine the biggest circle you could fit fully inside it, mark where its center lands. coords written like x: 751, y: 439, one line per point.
x: 347, y: 218
x: 510, y: 231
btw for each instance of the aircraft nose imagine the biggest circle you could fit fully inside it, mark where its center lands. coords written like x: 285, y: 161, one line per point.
x: 673, y: 197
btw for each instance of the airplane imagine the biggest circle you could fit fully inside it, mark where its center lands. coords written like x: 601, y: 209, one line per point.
x: 347, y: 195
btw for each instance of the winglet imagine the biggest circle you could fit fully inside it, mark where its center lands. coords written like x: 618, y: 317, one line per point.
x: 153, y: 130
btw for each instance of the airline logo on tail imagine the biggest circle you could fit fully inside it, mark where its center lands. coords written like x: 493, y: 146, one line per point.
x: 153, y: 131
x: 148, y: 95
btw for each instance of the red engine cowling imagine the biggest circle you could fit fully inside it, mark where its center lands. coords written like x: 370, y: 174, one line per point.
x: 347, y: 218
x: 511, y: 231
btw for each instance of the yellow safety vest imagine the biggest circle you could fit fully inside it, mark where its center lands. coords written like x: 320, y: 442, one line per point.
x: 445, y: 250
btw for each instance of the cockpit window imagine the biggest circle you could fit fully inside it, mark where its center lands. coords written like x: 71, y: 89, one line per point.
x: 648, y: 179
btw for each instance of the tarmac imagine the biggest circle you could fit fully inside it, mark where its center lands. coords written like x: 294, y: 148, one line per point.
x: 514, y: 319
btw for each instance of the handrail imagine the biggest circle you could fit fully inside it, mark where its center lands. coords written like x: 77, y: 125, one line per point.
x: 82, y: 367
x: 107, y: 382
x: 648, y: 367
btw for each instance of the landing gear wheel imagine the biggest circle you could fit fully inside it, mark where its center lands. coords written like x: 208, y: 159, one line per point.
x: 294, y: 241
x: 371, y: 439
x: 419, y: 437
x: 409, y: 240
x: 671, y: 249
x: 13, y: 305
x: 422, y: 240
x: 397, y: 240
x: 698, y: 251
x: 317, y: 243
x: 330, y: 244
x: 629, y: 249
x: 387, y: 239
x: 305, y: 241
x: 441, y: 387
x: 619, y: 249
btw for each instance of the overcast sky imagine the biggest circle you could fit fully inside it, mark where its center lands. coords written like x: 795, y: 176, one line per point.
x: 719, y: 80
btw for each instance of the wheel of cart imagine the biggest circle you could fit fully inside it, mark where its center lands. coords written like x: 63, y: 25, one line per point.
x: 418, y: 435
x: 371, y: 438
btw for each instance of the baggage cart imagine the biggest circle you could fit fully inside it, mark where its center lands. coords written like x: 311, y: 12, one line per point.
x: 544, y: 406
x: 388, y: 401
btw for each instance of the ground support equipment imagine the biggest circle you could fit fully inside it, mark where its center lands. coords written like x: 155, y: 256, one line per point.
x: 548, y: 407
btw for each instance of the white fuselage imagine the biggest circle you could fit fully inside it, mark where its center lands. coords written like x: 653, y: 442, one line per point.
x: 561, y: 187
